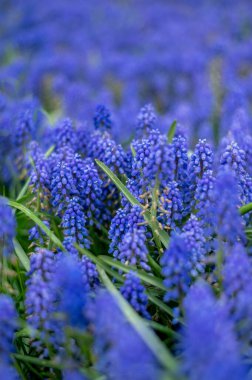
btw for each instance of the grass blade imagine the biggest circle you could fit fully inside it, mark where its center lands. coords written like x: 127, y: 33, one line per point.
x: 151, y: 280
x: 245, y: 209
x: 118, y: 184
x: 161, y: 328
x: 24, y: 189
x: 21, y: 255
x: 38, y: 221
x: 37, y: 361
x: 49, y: 151
x: 163, y: 306
x: 172, y: 131
x: 148, y: 336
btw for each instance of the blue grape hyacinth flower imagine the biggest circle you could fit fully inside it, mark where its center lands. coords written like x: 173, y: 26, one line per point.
x: 209, y: 347
x: 102, y: 118
x: 134, y: 292
x: 120, y: 351
x: 8, y: 326
x: 146, y: 120
x: 7, y: 227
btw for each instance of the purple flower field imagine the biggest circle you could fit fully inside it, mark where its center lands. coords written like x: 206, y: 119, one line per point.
x: 125, y: 190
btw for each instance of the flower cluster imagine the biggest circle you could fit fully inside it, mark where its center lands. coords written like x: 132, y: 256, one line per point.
x: 176, y: 268
x: 74, y: 222
x: 237, y: 283
x: 70, y: 289
x: 125, y: 190
x: 218, y: 358
x: 132, y: 250
x: 134, y: 292
x: 7, y: 227
x: 102, y: 118
x: 227, y: 222
x: 120, y: 350
x: 146, y: 119
x: 8, y: 326
x: 40, y: 301
x: 171, y: 205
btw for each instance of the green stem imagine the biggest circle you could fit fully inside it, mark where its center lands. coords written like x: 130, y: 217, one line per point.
x: 219, y: 265
x: 245, y: 209
x: 161, y: 328
x: 154, y: 223
x: 154, y: 265
x: 24, y: 189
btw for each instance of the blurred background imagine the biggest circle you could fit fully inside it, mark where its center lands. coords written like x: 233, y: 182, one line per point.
x: 191, y: 59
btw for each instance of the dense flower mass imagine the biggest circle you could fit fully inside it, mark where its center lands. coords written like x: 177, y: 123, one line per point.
x: 102, y: 118
x: 132, y: 249
x: 226, y: 219
x: 125, y: 190
x: 120, y: 350
x: 8, y: 326
x: 218, y: 358
x: 134, y: 292
x: 7, y: 227
x: 177, y: 266
x: 146, y: 119
x: 74, y: 221
x: 40, y: 300
x: 71, y: 295
x: 237, y: 287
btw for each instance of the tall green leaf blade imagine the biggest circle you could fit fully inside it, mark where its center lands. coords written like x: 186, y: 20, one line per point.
x: 96, y: 260
x: 37, y: 361
x: 151, y: 280
x: 172, y: 131
x: 245, y: 209
x: 118, y: 183
x: 163, y: 306
x: 23, y: 190
x: 148, y: 336
x: 21, y: 254
x: 38, y: 221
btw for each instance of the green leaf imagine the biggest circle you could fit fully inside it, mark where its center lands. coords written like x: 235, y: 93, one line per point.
x: 24, y: 189
x: 148, y: 336
x: 151, y: 280
x: 245, y: 209
x: 133, y: 151
x: 118, y: 184
x: 36, y: 220
x: 154, y: 265
x: 24, y: 332
x: 37, y: 361
x: 164, y: 329
x: 26, y: 198
x: 21, y: 255
x: 163, y: 236
x: 49, y: 151
x: 162, y: 306
x: 172, y: 131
